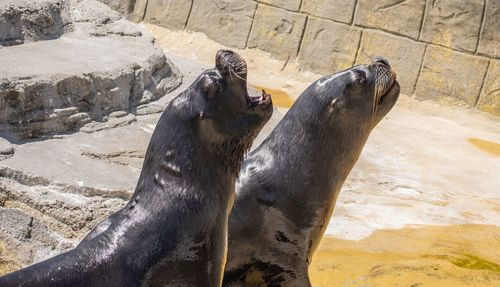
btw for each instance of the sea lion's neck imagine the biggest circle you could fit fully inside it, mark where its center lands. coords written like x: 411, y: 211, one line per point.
x: 177, y: 158
x: 312, y: 157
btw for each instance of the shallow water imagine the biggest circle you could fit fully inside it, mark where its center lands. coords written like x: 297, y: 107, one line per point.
x: 280, y: 98
x: 460, y: 255
x: 487, y: 146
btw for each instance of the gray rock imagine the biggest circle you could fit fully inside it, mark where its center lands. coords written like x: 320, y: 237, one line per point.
x: 44, y: 88
x: 402, y: 17
x: 337, y: 10
x: 28, y: 21
x: 404, y: 55
x: 453, y: 24
x: 6, y: 149
x: 328, y: 46
x: 277, y: 31
x: 450, y: 76
x: 489, y: 101
x: 225, y: 21
x: 293, y: 5
x: 112, y: 122
x: 171, y: 14
x: 91, y: 11
x: 489, y: 40
x: 148, y: 109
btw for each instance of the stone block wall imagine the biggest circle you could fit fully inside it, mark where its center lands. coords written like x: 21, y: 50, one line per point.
x: 441, y: 49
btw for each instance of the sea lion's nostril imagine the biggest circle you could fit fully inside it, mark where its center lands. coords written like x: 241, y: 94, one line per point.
x: 381, y: 60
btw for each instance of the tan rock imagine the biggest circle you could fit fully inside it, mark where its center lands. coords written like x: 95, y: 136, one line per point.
x: 452, y: 23
x: 489, y: 41
x: 489, y: 101
x: 404, y: 55
x: 403, y: 17
x: 293, y: 5
x: 337, y: 10
x: 172, y: 14
x: 225, y: 21
x: 447, y: 74
x: 277, y: 31
x: 132, y: 9
x: 328, y: 46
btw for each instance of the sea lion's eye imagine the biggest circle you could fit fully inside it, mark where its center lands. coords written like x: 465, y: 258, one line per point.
x: 359, y: 76
x: 210, y: 85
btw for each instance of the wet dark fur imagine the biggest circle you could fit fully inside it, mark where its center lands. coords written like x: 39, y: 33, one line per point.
x: 288, y: 186
x: 173, y: 230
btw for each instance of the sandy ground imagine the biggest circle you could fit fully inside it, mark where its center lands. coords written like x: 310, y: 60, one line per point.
x: 422, y: 205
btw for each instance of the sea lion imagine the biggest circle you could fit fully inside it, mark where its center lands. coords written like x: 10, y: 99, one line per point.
x: 288, y: 186
x: 173, y: 231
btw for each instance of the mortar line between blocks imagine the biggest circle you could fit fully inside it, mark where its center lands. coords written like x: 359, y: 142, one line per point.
x: 482, y: 83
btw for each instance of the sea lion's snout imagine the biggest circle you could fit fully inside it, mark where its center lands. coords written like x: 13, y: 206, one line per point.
x: 384, y: 76
x: 231, y: 64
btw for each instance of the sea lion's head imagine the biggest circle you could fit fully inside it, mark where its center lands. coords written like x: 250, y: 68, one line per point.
x: 226, y: 118
x: 358, y: 97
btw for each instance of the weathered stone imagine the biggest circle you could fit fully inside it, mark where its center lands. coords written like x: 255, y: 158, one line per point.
x: 44, y: 88
x: 171, y: 14
x: 225, y: 21
x: 403, y: 17
x: 489, y: 101
x: 489, y: 41
x: 132, y: 9
x: 277, y: 31
x: 453, y: 24
x: 403, y: 54
x: 28, y: 21
x: 328, y: 46
x: 337, y: 10
x: 448, y: 75
x: 293, y: 5
x: 6, y: 149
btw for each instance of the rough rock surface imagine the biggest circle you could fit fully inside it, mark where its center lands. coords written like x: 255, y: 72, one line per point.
x: 328, y: 46
x: 44, y: 88
x: 23, y: 21
x: 489, y: 40
x: 453, y: 24
x: 277, y: 31
x: 404, y: 55
x: 337, y: 10
x: 133, y: 9
x: 172, y: 14
x: 227, y: 22
x: 402, y: 17
x: 451, y: 76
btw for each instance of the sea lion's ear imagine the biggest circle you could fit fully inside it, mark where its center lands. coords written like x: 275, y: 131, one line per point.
x: 333, y: 103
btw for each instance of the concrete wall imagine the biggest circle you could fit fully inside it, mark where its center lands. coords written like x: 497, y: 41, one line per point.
x: 441, y: 49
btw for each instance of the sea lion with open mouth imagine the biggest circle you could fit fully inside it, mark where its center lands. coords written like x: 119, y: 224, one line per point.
x: 288, y: 185
x: 173, y: 231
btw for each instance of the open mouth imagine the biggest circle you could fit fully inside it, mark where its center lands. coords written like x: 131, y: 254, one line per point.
x: 263, y: 100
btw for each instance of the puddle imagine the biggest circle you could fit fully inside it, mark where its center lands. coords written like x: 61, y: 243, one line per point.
x: 487, y: 146
x: 280, y: 98
x: 475, y: 263
x: 459, y: 256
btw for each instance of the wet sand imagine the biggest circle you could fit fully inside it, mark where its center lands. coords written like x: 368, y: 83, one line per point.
x: 454, y: 256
